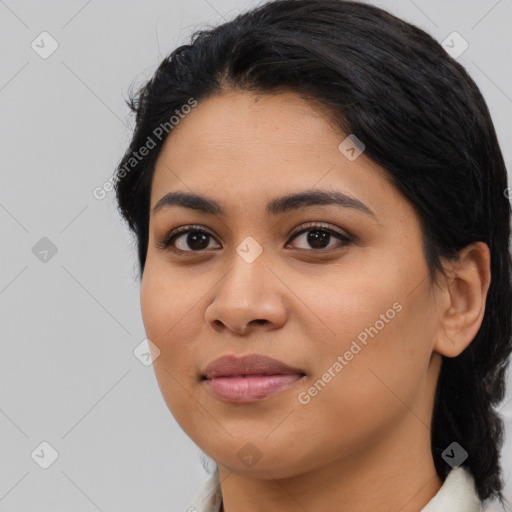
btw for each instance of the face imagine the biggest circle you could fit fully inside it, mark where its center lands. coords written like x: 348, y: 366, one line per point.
x: 336, y: 290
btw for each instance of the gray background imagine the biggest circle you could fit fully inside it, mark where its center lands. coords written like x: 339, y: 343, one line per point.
x: 69, y: 325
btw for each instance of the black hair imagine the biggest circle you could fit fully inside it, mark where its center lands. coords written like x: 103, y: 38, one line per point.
x: 421, y: 118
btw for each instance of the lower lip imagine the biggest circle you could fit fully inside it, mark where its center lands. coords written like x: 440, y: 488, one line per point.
x: 251, y: 388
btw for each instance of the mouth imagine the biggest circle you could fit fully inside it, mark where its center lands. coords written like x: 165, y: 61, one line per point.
x: 250, y: 378
x: 250, y: 388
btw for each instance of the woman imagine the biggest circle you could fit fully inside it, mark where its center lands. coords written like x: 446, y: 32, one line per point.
x: 319, y: 202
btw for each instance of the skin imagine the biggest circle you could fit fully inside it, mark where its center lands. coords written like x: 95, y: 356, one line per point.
x: 363, y: 442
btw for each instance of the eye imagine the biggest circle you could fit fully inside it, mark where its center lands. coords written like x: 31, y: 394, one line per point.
x: 195, y: 239
x: 192, y: 237
x: 319, y: 236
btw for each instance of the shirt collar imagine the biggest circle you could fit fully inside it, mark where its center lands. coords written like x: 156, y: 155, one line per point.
x: 457, y: 494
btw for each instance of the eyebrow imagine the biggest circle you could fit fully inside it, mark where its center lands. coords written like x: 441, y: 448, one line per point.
x: 276, y: 206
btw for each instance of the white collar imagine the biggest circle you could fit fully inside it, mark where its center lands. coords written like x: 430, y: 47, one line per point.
x: 457, y: 494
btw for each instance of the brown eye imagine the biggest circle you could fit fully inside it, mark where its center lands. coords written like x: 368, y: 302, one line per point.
x: 195, y: 239
x: 319, y: 236
x: 187, y: 239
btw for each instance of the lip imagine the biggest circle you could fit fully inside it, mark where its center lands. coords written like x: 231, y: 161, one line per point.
x: 249, y: 378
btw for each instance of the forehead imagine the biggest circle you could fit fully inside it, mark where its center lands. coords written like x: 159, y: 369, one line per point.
x: 239, y: 147
x: 240, y: 123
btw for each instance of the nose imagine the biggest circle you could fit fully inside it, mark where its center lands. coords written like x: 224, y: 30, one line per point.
x: 248, y: 297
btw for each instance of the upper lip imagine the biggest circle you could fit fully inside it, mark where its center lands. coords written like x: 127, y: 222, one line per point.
x: 232, y: 365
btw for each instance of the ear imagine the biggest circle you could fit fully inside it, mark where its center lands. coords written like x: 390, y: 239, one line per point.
x: 462, y: 304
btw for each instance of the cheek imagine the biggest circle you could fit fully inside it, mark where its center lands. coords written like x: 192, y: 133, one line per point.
x: 165, y: 304
x: 151, y: 301
x: 359, y: 400
x: 164, y: 315
x: 374, y: 337
x: 171, y: 313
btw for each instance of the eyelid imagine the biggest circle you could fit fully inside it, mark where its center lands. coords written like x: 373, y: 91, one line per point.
x: 304, y: 227
x: 165, y: 243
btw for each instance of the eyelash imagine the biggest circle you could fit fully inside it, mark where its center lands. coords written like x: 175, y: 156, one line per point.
x: 303, y: 228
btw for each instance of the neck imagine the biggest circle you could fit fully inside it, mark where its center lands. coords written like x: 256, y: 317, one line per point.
x: 397, y: 473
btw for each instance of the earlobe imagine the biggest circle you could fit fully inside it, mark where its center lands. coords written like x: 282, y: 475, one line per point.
x: 465, y: 295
